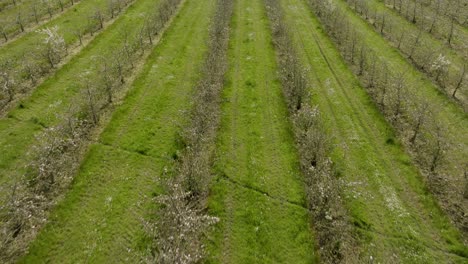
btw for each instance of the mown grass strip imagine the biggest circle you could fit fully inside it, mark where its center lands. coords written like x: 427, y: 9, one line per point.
x: 396, y: 220
x: 112, y: 190
x: 259, y: 183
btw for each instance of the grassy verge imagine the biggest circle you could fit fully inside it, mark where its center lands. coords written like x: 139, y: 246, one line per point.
x: 258, y: 193
x: 100, y: 218
x: 394, y: 216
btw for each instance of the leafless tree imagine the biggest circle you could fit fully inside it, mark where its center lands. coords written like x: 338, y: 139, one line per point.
x: 3, y: 31
x: 415, y: 45
x: 61, y: 4
x: 90, y: 98
x: 79, y: 33
x: 7, y: 81
x: 460, y: 81
x: 177, y: 229
x: 48, y: 6
x: 54, y: 46
x: 35, y: 12
x: 30, y: 69
x: 451, y: 30
x: 99, y: 18
x: 20, y: 22
x: 440, y: 67
x: 420, y: 116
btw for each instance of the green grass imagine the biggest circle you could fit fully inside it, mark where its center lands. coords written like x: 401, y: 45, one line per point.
x: 54, y: 96
x: 259, y: 193
x: 461, y: 32
x: 388, y: 203
x: 449, y: 115
x: 427, y: 41
x: 8, y: 16
x: 99, y: 221
x: 73, y: 18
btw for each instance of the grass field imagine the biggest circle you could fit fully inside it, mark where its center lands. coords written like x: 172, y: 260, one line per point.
x: 256, y: 190
x: 448, y: 115
x: 130, y: 155
x: 68, y: 22
x: 427, y: 42
x: 27, y: 12
x: 26, y: 49
x: 384, y: 192
x: 52, y: 98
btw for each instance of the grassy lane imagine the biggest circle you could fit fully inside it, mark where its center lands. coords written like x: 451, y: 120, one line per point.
x: 259, y: 193
x: 396, y: 219
x: 99, y: 219
x: 53, y: 97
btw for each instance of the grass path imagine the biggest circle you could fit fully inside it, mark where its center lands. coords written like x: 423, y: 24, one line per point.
x: 53, y: 97
x: 99, y: 219
x: 259, y: 193
x: 390, y: 208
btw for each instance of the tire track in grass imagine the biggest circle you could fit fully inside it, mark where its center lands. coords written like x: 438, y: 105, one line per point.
x: 53, y: 97
x: 393, y: 201
x: 234, y: 47
x: 99, y: 219
x: 256, y: 161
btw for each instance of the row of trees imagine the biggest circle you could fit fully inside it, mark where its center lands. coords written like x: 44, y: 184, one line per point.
x: 18, y: 75
x: 4, y: 4
x: 57, y: 154
x: 29, y: 13
x: 443, y: 18
x: 178, y: 229
x: 336, y: 243
x: 411, y: 114
x: 419, y: 47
